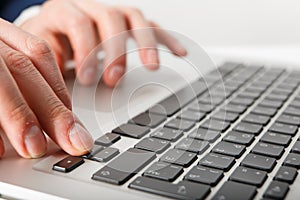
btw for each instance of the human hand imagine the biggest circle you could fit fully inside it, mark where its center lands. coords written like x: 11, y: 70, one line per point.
x: 34, y: 97
x: 74, y: 27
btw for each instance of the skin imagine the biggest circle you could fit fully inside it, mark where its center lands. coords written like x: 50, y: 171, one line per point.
x: 34, y: 98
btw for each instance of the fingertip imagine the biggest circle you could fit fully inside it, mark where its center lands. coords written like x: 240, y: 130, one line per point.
x: 113, y: 74
x: 150, y: 59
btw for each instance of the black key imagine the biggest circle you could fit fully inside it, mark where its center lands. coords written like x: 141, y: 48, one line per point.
x: 239, y: 138
x: 68, y: 164
x: 284, y: 128
x: 249, y: 176
x: 264, y: 111
x: 95, y: 150
x: 200, y: 107
x: 148, y: 119
x: 132, y: 130
x: 225, y: 116
x: 289, y: 119
x: 179, y: 157
x: 271, y: 103
x: 204, y: 175
x: 259, y: 162
x: 163, y: 171
x: 167, y: 134
x: 105, y: 155
x: 286, y: 174
x: 234, y: 191
x: 296, y: 147
x: 292, y: 160
x: 276, y: 138
x: 277, y: 190
x: 242, y: 101
x: 256, y: 119
x: 191, y: 115
x: 193, y: 145
x: 153, y: 144
x: 205, y: 134
x: 122, y: 168
x: 229, y: 149
x: 292, y: 111
x: 248, y: 128
x: 181, y: 190
x: 234, y: 108
x: 180, y: 124
x: 270, y: 150
x: 216, y: 125
x: 217, y: 161
x: 107, y: 139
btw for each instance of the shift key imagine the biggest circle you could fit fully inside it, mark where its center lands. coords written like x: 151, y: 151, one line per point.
x: 122, y: 168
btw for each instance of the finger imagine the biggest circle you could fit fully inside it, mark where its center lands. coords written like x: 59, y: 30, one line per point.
x: 17, y: 119
x: 168, y: 40
x: 36, y: 49
x: 81, y: 32
x: 56, y: 120
x: 2, y: 148
x: 110, y: 23
x: 144, y: 37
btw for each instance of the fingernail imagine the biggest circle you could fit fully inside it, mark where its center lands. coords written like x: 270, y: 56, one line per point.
x: 88, y: 75
x: 152, y: 59
x: 35, y: 142
x: 80, y: 138
x: 116, y: 72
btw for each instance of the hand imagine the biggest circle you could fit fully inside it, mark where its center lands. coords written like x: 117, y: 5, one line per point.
x: 74, y: 27
x: 34, y: 97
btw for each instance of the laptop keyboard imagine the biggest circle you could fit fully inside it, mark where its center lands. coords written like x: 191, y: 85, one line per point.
x: 242, y: 126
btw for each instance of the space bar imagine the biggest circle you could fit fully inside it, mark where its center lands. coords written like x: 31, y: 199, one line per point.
x: 122, y: 168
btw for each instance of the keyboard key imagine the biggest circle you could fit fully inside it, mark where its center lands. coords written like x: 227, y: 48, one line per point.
x: 264, y: 111
x: 256, y: 119
x: 274, y: 96
x: 120, y: 170
x: 179, y: 157
x: 163, y: 171
x: 217, y: 161
x: 95, y: 150
x: 286, y: 174
x: 225, y: 116
x: 216, y: 125
x: 295, y: 103
x: 148, y: 119
x: 181, y: 190
x: 105, y: 155
x: 250, y: 95
x: 271, y: 103
x: 153, y: 144
x: 276, y: 138
x: 212, y: 100
x: 248, y: 128
x: 239, y: 138
x: 192, y: 145
x: 289, y: 119
x: 108, y: 139
x: 204, y: 175
x: 259, y: 162
x: 296, y: 147
x: 234, y: 108
x: 179, y: 124
x: 132, y: 130
x: 229, y: 149
x: 270, y: 150
x: 191, y: 115
x: 249, y: 176
x: 68, y: 164
x: 292, y: 160
x: 200, y: 107
x: 232, y: 190
x: 167, y: 134
x: 242, y: 101
x: 284, y: 128
x: 205, y: 134
x: 277, y: 190
x: 292, y: 111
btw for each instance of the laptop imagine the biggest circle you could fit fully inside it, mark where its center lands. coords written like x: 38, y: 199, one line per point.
x: 229, y: 132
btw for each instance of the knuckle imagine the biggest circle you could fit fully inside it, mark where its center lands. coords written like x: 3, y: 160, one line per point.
x: 18, y: 63
x: 135, y: 12
x: 19, y: 112
x: 80, y: 20
x: 57, y: 110
x: 111, y: 12
x: 37, y: 47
